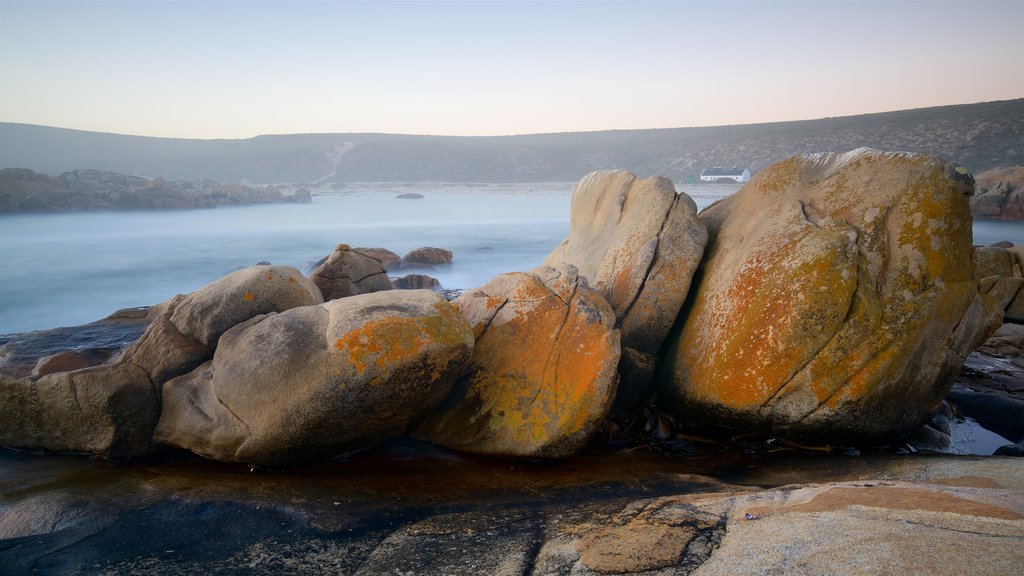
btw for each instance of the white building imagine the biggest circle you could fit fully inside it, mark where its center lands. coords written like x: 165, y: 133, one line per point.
x: 725, y: 175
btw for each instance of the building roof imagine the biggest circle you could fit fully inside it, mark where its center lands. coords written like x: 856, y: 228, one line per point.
x: 722, y: 171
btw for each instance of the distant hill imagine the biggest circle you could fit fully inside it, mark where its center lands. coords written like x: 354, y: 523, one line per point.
x: 979, y: 136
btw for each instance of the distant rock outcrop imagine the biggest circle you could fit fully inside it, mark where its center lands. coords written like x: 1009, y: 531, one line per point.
x: 1000, y: 194
x: 23, y: 190
x: 837, y: 299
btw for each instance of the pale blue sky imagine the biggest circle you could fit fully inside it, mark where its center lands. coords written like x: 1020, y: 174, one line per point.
x: 237, y: 69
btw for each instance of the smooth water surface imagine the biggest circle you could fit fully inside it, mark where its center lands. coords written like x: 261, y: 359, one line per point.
x: 68, y: 269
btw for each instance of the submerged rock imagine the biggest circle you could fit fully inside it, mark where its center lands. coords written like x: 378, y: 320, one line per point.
x: 416, y: 282
x: 319, y: 380
x: 348, y: 272
x: 837, y: 299
x: 426, y: 257
x: 638, y: 243
x: 543, y: 371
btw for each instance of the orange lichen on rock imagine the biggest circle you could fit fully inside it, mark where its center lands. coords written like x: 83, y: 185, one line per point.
x: 542, y: 373
x: 248, y: 296
x: 832, y: 297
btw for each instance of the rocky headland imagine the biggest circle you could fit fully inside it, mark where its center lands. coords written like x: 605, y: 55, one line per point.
x: 830, y: 306
x: 22, y: 190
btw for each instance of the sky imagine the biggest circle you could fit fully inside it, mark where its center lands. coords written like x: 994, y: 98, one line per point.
x: 204, y: 69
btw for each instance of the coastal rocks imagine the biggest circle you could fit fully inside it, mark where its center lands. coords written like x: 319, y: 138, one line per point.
x: 837, y: 299
x: 22, y: 190
x: 543, y: 371
x: 348, y: 272
x: 427, y: 257
x: 638, y: 244
x: 108, y: 410
x: 388, y: 259
x: 416, y: 282
x: 111, y: 408
x: 319, y: 380
x: 1000, y: 194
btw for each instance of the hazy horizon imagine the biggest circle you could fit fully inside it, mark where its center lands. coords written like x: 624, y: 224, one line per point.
x: 231, y: 70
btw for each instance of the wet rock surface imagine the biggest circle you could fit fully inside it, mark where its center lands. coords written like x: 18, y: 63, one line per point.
x: 412, y: 508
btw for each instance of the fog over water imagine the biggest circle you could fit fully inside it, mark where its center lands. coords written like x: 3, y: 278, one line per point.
x: 68, y: 269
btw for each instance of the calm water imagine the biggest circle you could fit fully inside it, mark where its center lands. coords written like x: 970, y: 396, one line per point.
x: 67, y: 269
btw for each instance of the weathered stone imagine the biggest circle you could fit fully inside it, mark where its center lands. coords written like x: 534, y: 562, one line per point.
x: 319, y: 380
x: 348, y: 272
x: 111, y: 408
x: 638, y: 244
x: 837, y: 299
x: 543, y: 371
x: 388, y: 259
x: 416, y: 282
x: 108, y: 410
x: 426, y: 257
x: 992, y: 261
x: 1000, y: 194
x: 208, y: 312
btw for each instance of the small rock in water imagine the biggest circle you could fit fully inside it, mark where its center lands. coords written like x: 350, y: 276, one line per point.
x: 410, y: 196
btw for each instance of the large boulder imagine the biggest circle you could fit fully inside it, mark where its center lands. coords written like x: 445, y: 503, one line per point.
x: 75, y: 390
x: 543, y: 371
x: 319, y: 380
x: 638, y: 243
x: 1000, y: 194
x: 107, y: 410
x: 348, y: 272
x: 837, y: 299
x: 185, y: 334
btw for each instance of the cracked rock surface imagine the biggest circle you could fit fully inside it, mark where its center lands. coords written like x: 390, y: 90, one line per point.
x: 319, y: 380
x: 543, y: 371
x: 638, y: 243
x: 837, y: 299
x: 348, y: 272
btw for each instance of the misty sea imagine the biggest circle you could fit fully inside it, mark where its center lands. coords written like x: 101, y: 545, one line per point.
x: 68, y: 269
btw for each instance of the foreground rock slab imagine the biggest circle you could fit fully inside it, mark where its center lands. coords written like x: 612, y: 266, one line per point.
x: 319, y: 380
x: 543, y: 371
x: 837, y: 299
x: 638, y: 243
x: 842, y: 516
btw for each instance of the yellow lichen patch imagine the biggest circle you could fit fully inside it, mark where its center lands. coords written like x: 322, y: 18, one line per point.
x: 248, y: 296
x: 379, y: 346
